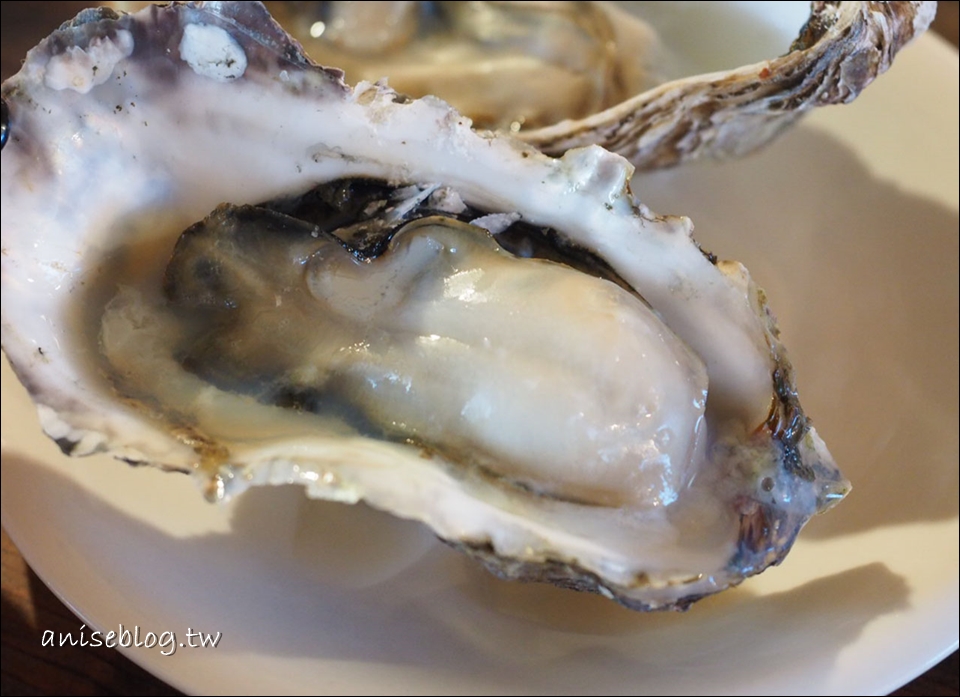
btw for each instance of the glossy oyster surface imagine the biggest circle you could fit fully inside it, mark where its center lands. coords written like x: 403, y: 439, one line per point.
x: 219, y: 258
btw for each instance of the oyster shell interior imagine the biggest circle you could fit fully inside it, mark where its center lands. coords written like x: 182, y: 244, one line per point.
x: 516, y: 352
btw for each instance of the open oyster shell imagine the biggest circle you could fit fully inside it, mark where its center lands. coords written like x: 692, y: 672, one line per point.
x: 125, y: 131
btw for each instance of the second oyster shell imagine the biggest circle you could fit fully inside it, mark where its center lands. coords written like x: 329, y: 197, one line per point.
x: 565, y: 75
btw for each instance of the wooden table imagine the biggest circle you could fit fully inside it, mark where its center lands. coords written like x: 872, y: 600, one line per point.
x: 29, y: 607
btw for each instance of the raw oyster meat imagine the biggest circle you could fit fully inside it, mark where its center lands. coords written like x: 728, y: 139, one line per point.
x: 569, y: 74
x: 382, y: 304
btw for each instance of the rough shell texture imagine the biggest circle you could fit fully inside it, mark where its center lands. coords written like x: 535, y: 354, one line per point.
x: 125, y: 130
x: 842, y: 48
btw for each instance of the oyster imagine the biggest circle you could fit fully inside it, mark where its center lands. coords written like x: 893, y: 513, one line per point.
x: 389, y: 307
x: 565, y: 75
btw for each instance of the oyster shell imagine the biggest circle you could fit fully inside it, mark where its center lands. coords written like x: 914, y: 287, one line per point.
x: 841, y: 49
x: 565, y: 75
x: 125, y: 131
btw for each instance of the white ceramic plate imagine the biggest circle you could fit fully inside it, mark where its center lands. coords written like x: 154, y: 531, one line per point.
x: 851, y: 224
